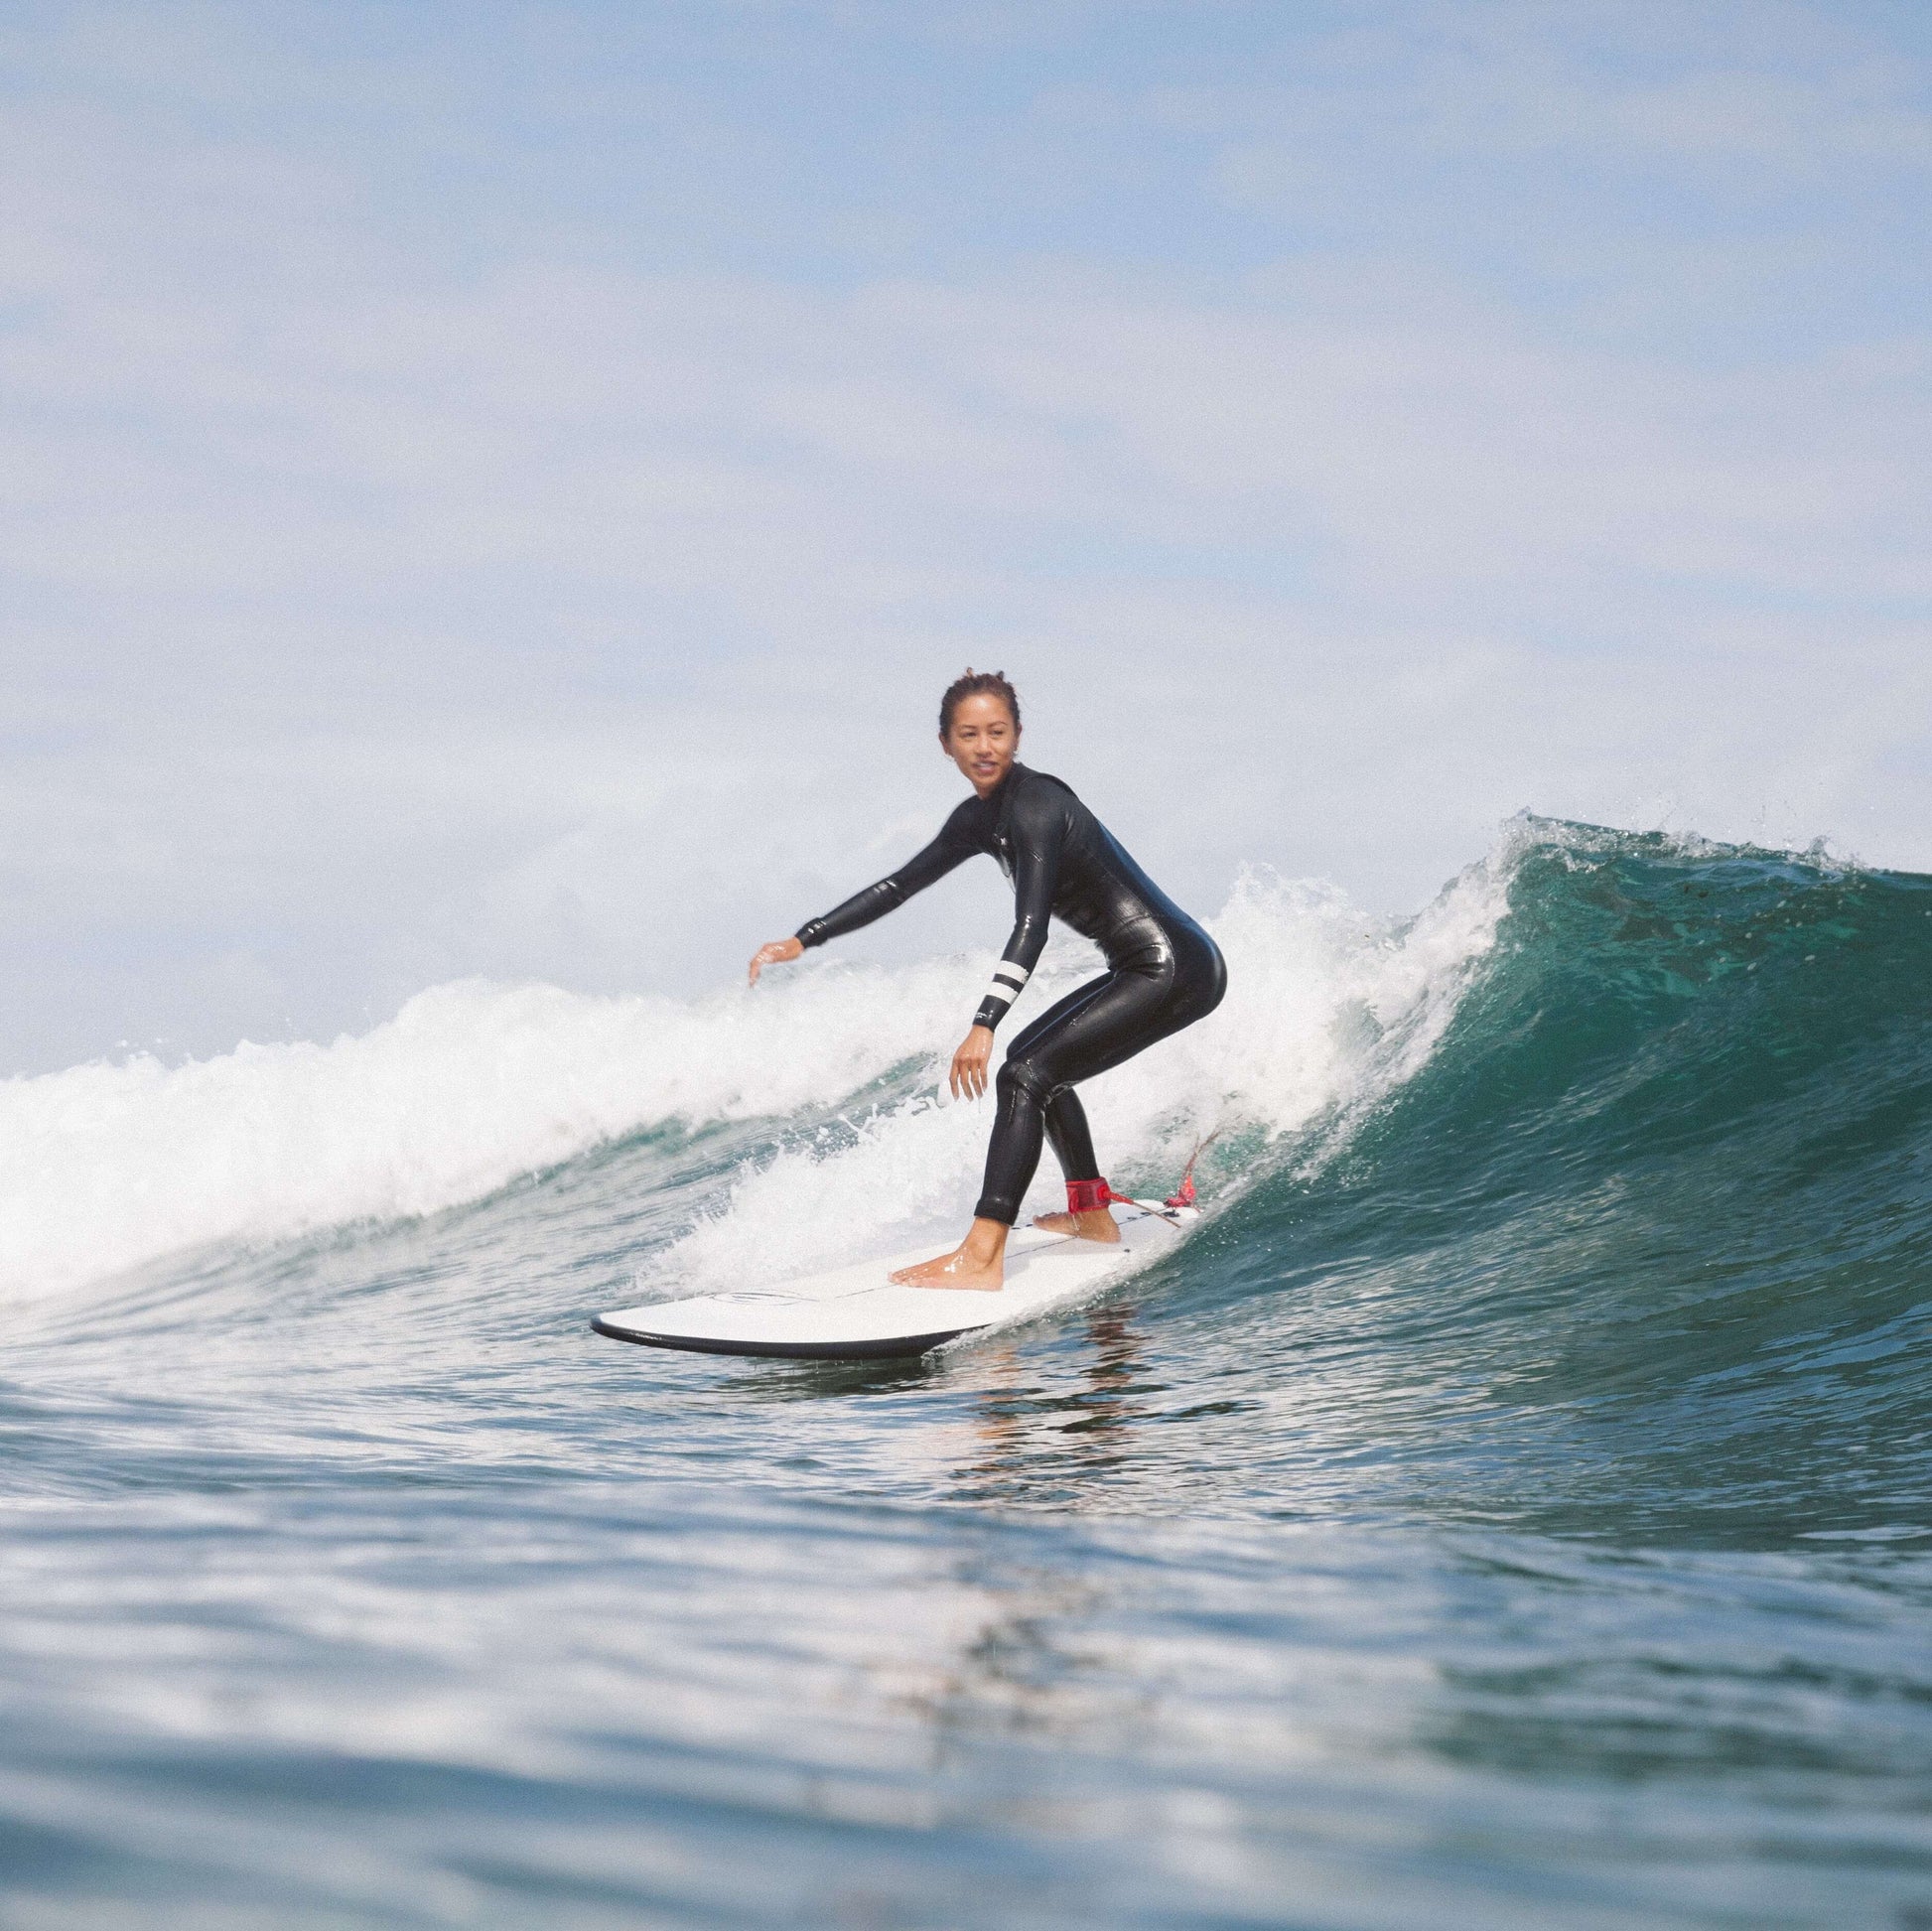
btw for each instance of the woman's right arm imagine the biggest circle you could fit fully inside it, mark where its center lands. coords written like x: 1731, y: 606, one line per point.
x: 946, y: 851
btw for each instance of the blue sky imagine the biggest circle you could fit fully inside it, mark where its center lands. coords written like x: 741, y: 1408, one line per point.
x: 497, y: 489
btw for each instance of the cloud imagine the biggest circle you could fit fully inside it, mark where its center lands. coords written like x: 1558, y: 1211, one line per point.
x: 389, y: 608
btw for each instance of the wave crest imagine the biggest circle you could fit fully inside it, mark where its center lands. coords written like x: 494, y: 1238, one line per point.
x: 472, y: 1085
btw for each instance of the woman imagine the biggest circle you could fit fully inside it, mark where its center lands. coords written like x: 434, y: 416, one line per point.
x: 1163, y: 971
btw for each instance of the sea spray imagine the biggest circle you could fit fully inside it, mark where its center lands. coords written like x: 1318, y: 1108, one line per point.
x: 472, y: 1085
x: 468, y: 1086
x: 1327, y: 1007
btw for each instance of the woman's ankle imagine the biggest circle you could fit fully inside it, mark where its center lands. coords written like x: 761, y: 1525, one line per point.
x: 986, y: 1240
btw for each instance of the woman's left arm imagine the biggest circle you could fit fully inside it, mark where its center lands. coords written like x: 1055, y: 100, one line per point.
x: 1038, y: 828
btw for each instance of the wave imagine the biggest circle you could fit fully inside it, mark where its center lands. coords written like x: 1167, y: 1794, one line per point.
x: 1595, y: 1197
x: 110, y: 1166
x: 1658, y: 1203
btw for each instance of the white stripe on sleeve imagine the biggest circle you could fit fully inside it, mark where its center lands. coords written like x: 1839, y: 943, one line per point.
x: 1007, y: 981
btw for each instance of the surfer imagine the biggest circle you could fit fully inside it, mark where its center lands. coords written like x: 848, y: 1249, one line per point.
x: 1162, y: 972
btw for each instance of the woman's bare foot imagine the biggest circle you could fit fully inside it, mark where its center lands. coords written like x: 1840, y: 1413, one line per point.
x: 1097, y: 1224
x: 979, y: 1261
x: 955, y: 1270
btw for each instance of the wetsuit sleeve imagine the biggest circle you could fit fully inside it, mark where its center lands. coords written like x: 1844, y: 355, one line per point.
x: 1038, y: 830
x: 949, y: 850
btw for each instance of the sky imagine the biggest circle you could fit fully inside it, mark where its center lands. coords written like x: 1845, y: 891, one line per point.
x: 497, y: 489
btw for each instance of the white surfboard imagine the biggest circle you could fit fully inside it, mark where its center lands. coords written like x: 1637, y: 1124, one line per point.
x: 856, y: 1313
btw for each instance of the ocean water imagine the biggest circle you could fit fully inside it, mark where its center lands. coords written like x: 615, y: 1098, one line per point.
x: 1512, y: 1506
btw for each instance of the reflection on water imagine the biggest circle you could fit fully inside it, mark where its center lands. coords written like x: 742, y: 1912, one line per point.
x: 1051, y: 1445
x: 675, y: 1703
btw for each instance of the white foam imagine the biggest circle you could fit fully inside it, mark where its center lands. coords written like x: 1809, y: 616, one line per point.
x: 1327, y: 1008
x: 109, y: 1166
x: 470, y: 1085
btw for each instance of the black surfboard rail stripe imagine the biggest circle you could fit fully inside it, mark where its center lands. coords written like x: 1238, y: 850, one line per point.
x: 901, y: 1347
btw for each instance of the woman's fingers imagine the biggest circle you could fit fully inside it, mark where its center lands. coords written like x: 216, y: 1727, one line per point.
x: 776, y: 953
x: 968, y: 1077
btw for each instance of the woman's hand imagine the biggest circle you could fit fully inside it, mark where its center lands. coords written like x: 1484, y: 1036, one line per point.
x: 782, y: 951
x: 968, y: 1064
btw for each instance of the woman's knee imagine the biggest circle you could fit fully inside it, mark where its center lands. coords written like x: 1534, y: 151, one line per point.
x: 1020, y: 1079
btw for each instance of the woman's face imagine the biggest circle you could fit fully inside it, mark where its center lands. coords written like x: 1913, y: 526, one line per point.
x: 983, y: 740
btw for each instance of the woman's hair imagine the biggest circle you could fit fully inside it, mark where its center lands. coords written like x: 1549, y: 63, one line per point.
x: 977, y: 683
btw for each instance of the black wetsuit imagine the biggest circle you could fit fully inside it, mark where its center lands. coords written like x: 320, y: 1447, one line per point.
x: 1163, y: 971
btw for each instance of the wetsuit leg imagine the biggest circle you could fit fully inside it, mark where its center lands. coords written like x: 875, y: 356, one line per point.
x: 1022, y: 1101
x: 1142, y: 998
x: 1070, y: 1136
x: 1066, y: 1119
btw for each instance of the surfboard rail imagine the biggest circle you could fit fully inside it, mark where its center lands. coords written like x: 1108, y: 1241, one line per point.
x: 903, y: 1348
